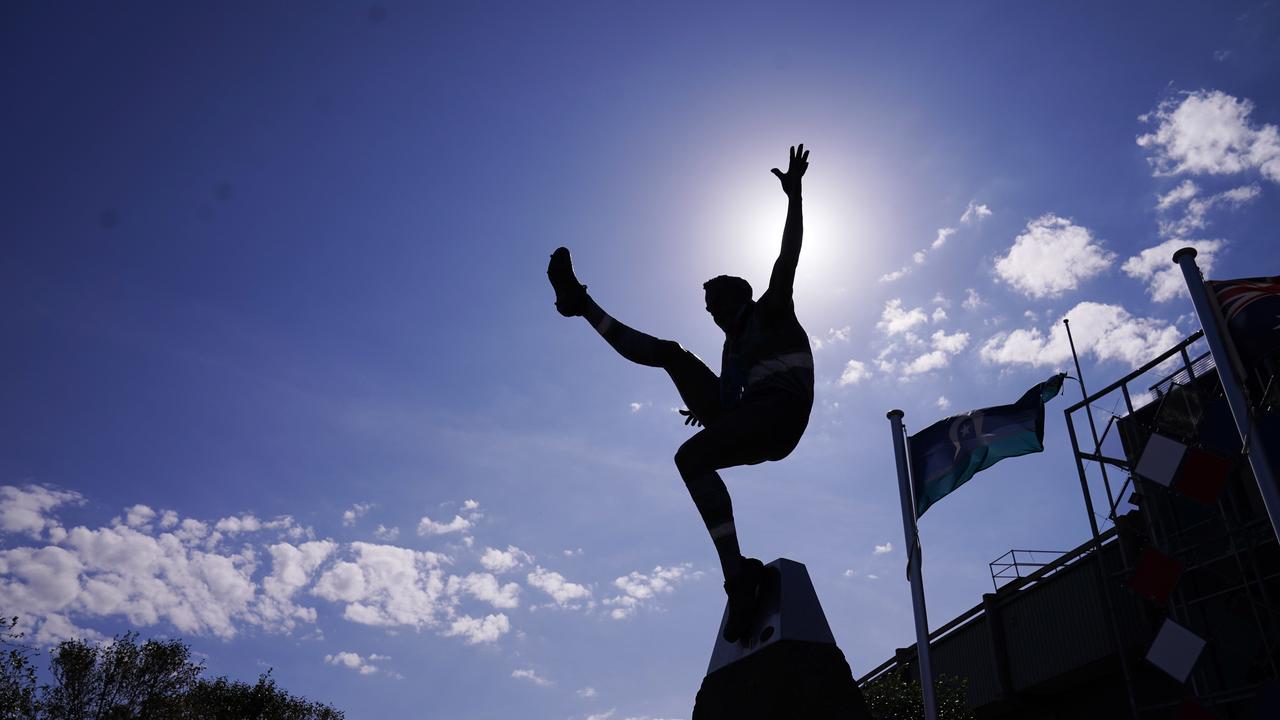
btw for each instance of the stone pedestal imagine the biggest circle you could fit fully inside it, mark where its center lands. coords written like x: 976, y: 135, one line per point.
x: 788, y: 666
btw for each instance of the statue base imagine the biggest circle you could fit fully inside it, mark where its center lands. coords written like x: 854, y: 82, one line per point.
x: 788, y: 666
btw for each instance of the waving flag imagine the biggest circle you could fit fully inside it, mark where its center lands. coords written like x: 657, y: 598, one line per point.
x: 1251, y: 312
x: 949, y: 452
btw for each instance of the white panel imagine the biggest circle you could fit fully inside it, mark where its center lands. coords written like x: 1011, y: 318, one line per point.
x: 1175, y: 650
x: 1160, y: 459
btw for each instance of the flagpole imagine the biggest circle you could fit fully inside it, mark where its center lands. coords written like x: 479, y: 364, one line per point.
x: 1112, y: 502
x: 913, y: 565
x: 1255, y: 445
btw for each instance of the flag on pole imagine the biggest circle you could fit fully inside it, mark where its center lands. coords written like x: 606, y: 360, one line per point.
x: 949, y: 452
x: 1250, y: 310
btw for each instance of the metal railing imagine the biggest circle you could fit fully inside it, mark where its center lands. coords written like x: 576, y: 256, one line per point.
x: 1197, y: 367
x: 1018, y: 560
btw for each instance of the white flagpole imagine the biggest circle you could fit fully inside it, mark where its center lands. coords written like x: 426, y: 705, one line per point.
x: 1256, y: 445
x: 913, y: 566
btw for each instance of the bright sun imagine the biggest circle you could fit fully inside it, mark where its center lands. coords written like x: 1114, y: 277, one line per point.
x: 753, y: 226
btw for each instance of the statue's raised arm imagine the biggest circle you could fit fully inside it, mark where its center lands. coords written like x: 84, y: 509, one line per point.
x: 784, y: 268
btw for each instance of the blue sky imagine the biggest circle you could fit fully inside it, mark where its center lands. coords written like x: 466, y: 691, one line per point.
x: 282, y: 375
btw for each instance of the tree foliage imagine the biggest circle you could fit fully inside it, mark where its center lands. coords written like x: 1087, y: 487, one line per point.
x: 893, y: 697
x: 128, y: 680
x: 17, y: 674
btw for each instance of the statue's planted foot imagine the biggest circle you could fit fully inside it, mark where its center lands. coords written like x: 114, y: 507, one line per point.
x: 743, y: 590
x: 570, y: 294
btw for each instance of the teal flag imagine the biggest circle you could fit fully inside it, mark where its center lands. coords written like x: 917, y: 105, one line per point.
x: 949, y: 452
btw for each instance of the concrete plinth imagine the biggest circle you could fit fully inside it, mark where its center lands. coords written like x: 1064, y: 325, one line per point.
x: 788, y: 666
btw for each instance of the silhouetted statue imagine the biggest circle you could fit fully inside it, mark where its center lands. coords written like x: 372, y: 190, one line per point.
x: 757, y: 408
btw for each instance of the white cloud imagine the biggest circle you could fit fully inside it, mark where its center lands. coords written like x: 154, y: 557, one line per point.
x: 834, y: 335
x: 602, y: 716
x: 25, y: 510
x: 475, y: 631
x: 637, y: 407
x: 238, y: 524
x: 427, y: 526
x: 1209, y: 132
x: 938, y: 315
x: 917, y: 257
x: 928, y: 362
x: 152, y: 568
x: 941, y: 239
x: 139, y: 516
x: 850, y: 573
x: 471, y: 505
x: 382, y: 532
x: 532, y: 676
x: 1185, y: 191
x: 291, y: 569
x: 55, y: 628
x: 640, y: 588
x: 1107, y: 332
x: 587, y: 692
x: 1051, y: 256
x: 573, y: 552
x: 884, y: 549
x: 1194, y: 217
x: 485, y: 587
x: 855, y: 372
x: 884, y: 359
x: 1240, y: 195
x: 943, y: 403
x: 895, y: 320
x: 501, y: 561
x: 565, y: 594
x: 364, y: 666
x: 895, y: 275
x: 122, y: 571
x: 387, y: 585
x: 975, y: 212
x: 952, y: 343
x: 285, y: 525
x: 356, y: 511
x: 972, y: 300
x: 944, y: 346
x: 1156, y: 268
x: 873, y: 577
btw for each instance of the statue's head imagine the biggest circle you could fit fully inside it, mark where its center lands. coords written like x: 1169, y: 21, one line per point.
x: 726, y: 297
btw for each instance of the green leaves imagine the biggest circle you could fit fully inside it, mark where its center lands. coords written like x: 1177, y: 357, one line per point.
x: 128, y: 680
x: 891, y: 697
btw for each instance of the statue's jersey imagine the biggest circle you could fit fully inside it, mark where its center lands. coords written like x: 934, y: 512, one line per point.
x: 769, y: 357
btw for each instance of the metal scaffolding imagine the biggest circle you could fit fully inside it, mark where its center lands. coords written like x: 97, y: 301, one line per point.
x: 1222, y: 550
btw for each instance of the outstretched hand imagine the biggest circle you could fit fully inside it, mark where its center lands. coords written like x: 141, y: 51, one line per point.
x: 690, y: 418
x: 795, y: 170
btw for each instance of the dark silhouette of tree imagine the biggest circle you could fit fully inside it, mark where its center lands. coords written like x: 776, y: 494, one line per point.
x: 128, y: 680
x: 17, y: 674
x: 223, y: 699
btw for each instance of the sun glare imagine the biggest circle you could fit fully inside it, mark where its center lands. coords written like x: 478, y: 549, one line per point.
x: 752, y: 222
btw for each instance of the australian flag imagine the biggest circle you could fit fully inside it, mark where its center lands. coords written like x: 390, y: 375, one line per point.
x: 949, y: 452
x: 1251, y: 312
